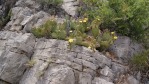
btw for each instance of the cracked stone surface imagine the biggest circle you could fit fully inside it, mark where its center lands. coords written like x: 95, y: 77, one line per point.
x: 15, y: 51
x: 27, y: 14
x: 25, y: 59
x: 51, y: 53
x: 124, y: 48
x: 70, y: 6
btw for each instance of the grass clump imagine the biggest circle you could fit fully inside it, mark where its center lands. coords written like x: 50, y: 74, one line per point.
x: 140, y: 62
x: 51, y: 2
x: 50, y: 29
x: 30, y: 63
x: 45, y: 30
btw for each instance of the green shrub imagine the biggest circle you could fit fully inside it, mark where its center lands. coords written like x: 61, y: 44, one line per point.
x: 127, y: 17
x: 45, y: 30
x: 145, y: 40
x: 87, y: 33
x: 60, y: 32
x: 50, y: 29
x: 81, y: 32
x: 141, y: 61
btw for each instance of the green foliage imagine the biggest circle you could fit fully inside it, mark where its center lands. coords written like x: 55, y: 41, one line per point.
x: 50, y: 29
x: 128, y: 17
x: 4, y: 20
x: 141, y: 61
x: 81, y: 32
x: 145, y: 40
x: 30, y: 63
x: 1, y: 24
x: 52, y: 2
x: 60, y: 32
x: 88, y: 34
x: 84, y: 32
x: 106, y: 39
x: 95, y: 28
x: 38, y: 32
x: 45, y: 30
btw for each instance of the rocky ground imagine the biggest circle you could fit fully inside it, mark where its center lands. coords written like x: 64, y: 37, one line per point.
x: 25, y: 59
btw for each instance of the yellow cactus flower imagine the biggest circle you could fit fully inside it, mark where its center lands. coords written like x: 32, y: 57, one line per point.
x: 112, y: 33
x: 70, y: 31
x: 98, y: 19
x: 115, y: 37
x: 86, y: 19
x: 89, y: 47
x: 80, y: 21
x: 70, y: 40
x: 87, y: 27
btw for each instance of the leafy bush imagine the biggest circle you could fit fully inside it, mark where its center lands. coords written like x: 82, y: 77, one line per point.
x: 127, y: 17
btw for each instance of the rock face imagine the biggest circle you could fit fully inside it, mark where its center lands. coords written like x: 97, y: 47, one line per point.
x: 124, y: 48
x: 15, y: 51
x: 53, y: 55
x: 28, y: 14
x: 57, y: 74
x: 25, y: 59
x: 52, y: 62
x: 70, y: 6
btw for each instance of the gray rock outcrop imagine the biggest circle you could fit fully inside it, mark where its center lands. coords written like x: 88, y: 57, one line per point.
x: 53, y: 62
x: 124, y: 48
x: 25, y: 59
x: 15, y: 51
x: 28, y: 14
